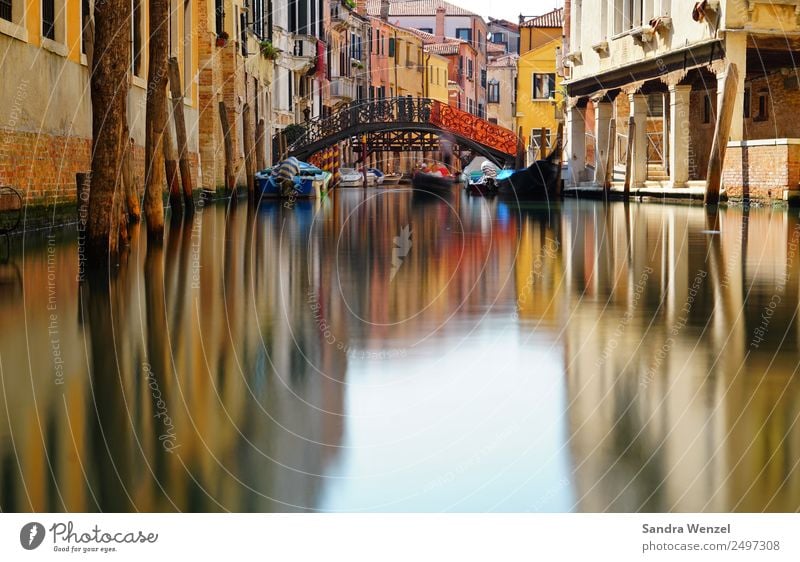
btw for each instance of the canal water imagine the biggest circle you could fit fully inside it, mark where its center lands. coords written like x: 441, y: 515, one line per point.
x: 381, y: 352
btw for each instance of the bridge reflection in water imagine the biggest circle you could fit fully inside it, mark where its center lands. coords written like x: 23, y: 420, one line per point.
x: 587, y: 357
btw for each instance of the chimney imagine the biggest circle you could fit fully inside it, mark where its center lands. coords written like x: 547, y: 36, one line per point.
x: 384, y: 10
x: 361, y: 7
x: 441, y: 12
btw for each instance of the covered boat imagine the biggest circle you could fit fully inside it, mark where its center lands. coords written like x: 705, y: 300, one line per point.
x: 309, y: 183
x: 379, y: 176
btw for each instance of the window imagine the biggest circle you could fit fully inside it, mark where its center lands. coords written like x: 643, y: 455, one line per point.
x: 426, y: 30
x: 481, y: 112
x: 136, y: 32
x: 762, y: 111
x: 544, y: 86
x: 187, y: 47
x: 746, y: 104
x: 483, y: 78
x: 464, y: 33
x: 499, y: 38
x: 470, y: 69
x: 219, y: 15
x: 536, y: 138
x: 391, y: 46
x: 493, y: 120
x: 707, y: 109
x: 494, y: 91
x: 86, y: 16
x: 5, y: 10
x: 630, y: 14
x: 49, y: 19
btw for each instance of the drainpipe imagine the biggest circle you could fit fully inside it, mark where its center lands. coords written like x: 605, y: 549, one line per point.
x: 427, y: 75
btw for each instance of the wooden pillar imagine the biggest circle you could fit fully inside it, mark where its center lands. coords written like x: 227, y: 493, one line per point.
x: 230, y: 174
x: 612, y: 141
x: 629, y: 157
x: 176, y: 90
x: 171, y: 168
x: 542, y: 143
x: 559, y: 148
x: 722, y: 128
x: 261, y: 150
x: 248, y: 142
x: 83, y: 181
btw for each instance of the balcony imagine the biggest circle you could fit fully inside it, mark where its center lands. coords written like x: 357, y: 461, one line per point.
x: 302, y: 57
x: 342, y: 89
x: 341, y: 15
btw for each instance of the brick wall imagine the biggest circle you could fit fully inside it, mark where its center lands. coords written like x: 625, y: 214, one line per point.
x: 761, y: 172
x: 43, y: 167
x: 701, y: 135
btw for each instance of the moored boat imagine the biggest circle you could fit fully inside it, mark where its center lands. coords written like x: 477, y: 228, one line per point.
x: 538, y: 182
x: 309, y: 183
x: 432, y: 183
x: 392, y: 179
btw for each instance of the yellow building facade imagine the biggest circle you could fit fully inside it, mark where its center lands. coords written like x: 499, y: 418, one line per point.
x: 538, y: 82
x: 436, y: 77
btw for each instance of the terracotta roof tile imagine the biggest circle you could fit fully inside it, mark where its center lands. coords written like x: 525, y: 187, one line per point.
x: 550, y: 19
x: 416, y: 8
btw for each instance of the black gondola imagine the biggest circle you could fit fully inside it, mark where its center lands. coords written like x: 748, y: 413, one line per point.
x: 538, y: 182
x: 432, y: 183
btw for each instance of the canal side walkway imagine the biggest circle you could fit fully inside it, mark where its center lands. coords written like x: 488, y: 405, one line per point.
x: 693, y: 192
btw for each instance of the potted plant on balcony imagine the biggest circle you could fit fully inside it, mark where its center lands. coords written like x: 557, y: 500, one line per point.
x: 268, y: 50
x: 222, y: 39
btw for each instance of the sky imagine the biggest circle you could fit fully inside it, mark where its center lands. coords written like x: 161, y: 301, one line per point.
x: 508, y: 9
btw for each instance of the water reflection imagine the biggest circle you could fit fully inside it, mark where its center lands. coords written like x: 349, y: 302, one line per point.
x: 375, y: 351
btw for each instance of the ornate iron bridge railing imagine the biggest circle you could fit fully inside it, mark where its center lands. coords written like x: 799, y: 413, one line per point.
x: 409, y: 114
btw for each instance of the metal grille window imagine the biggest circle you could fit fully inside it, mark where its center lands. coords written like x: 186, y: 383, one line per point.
x: 49, y: 19
x: 5, y: 9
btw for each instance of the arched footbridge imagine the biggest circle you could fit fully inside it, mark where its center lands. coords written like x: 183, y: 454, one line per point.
x: 405, y: 124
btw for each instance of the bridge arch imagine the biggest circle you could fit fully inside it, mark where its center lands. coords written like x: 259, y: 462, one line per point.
x: 410, y: 115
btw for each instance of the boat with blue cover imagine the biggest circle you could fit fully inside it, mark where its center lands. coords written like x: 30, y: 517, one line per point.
x: 310, y: 183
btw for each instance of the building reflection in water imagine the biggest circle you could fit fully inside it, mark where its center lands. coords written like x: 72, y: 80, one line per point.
x: 375, y: 351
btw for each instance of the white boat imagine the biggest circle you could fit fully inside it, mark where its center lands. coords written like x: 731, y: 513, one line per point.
x: 350, y: 177
x: 392, y: 179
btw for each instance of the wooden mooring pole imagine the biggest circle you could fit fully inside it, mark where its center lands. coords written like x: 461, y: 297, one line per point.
x: 721, y: 133
x: 542, y: 143
x: 560, y: 148
x: 629, y: 158
x: 171, y: 169
x: 176, y: 91
x: 230, y: 176
x: 609, y: 171
x: 248, y: 137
